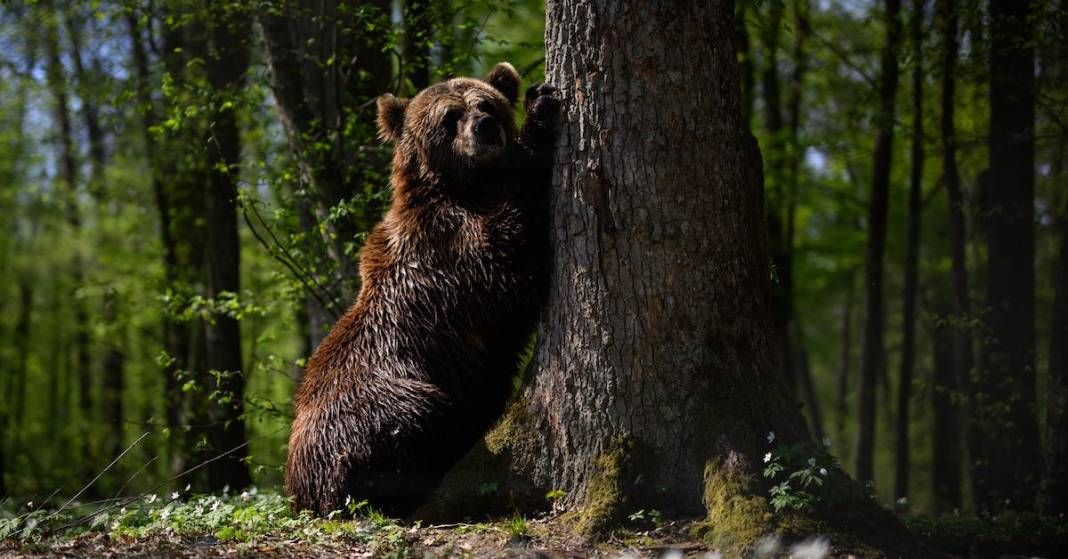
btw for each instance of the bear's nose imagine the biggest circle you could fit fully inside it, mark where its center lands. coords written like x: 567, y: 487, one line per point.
x: 487, y: 130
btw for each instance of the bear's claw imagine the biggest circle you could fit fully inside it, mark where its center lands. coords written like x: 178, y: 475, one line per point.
x: 542, y: 101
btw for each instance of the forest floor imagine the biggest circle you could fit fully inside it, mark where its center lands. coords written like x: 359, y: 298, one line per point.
x: 250, y: 525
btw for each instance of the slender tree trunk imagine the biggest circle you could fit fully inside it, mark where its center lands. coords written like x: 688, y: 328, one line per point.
x: 946, y: 447
x: 1003, y: 425
x: 776, y: 202
x: 176, y: 335
x: 68, y: 176
x: 227, y: 66
x: 874, y: 351
x: 795, y: 152
x: 22, y: 354
x: 114, y: 372
x: 963, y: 359
x: 912, y: 257
x: 1053, y: 498
x: 845, y: 367
x: 315, y: 99
x: 114, y: 359
x: 1053, y: 495
x: 419, y: 17
x: 90, y: 111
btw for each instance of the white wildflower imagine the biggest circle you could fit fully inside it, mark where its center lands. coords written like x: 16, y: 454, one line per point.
x: 188, y: 486
x: 812, y: 548
x: 246, y: 496
x: 768, y: 546
x: 827, y: 442
x: 771, y: 437
x: 198, y: 510
x: 823, y: 471
x: 215, y: 506
x: 174, y: 496
x: 767, y: 458
x: 151, y: 498
x: 904, y: 502
x: 811, y: 462
x: 226, y: 489
x: 29, y: 504
x: 165, y: 513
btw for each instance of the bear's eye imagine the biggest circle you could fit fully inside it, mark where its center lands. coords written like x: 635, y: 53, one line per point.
x: 484, y: 106
x: 452, y: 116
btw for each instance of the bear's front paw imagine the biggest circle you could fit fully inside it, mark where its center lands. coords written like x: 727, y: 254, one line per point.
x: 542, y: 102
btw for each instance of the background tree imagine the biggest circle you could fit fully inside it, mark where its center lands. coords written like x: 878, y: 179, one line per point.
x: 1003, y: 423
x: 874, y: 351
x: 908, y: 337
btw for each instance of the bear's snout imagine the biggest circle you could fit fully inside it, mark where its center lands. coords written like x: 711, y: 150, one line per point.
x: 488, y: 130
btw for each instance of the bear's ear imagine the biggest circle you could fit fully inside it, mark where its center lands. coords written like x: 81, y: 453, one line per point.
x: 391, y: 117
x: 505, y: 79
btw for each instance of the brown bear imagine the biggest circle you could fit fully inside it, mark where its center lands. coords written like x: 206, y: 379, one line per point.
x: 452, y: 280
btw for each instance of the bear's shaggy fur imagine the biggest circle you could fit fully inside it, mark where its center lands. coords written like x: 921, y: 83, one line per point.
x: 453, y: 278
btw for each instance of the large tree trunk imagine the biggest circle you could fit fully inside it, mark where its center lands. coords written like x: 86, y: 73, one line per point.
x: 874, y: 358
x: 912, y: 258
x: 655, y: 383
x: 1003, y: 422
x: 227, y: 66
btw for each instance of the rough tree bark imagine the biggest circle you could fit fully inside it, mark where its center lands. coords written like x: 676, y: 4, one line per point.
x: 947, y: 458
x: 1003, y: 422
x: 654, y: 377
x: 912, y: 257
x: 227, y: 65
x: 874, y: 357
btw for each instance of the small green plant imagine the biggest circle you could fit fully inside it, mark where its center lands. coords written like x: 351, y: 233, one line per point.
x: 654, y: 516
x: 806, y: 477
x: 517, y: 527
x: 555, y: 495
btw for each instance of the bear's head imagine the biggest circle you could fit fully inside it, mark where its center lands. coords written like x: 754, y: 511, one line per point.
x: 454, y: 127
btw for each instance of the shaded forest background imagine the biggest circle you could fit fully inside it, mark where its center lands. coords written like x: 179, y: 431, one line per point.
x: 184, y: 188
